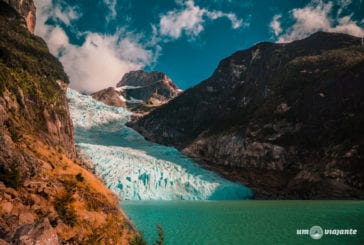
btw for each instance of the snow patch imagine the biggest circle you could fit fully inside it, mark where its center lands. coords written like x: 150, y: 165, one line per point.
x: 122, y: 98
x: 255, y: 55
x: 130, y: 87
x: 119, y: 89
x: 135, y: 101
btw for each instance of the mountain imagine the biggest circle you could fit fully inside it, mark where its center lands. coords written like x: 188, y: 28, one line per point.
x: 46, y: 196
x: 26, y: 9
x: 139, y: 91
x: 284, y: 119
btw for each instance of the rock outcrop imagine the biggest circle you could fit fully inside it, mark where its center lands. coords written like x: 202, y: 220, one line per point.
x: 139, y: 91
x: 46, y: 197
x: 284, y: 119
x: 110, y: 96
x: 41, y: 232
x: 26, y: 10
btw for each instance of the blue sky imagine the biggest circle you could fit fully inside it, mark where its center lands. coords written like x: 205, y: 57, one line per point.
x: 99, y: 41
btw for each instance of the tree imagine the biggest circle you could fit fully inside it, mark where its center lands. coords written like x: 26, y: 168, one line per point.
x: 160, y: 240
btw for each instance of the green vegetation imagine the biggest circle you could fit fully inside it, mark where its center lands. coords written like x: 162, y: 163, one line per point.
x: 11, y: 177
x: 79, y: 177
x: 14, y: 134
x: 94, y: 201
x: 62, y: 204
x: 33, y: 100
x: 139, y: 238
x: 160, y: 240
x: 112, y: 224
x: 28, y: 71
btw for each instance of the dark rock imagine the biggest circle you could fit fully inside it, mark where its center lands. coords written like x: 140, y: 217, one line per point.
x: 41, y: 233
x: 274, y: 117
x: 26, y: 10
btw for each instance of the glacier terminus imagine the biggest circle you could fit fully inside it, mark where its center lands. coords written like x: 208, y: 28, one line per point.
x: 136, y: 169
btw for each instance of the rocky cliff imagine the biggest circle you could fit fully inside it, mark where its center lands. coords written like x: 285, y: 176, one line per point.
x: 46, y: 197
x: 139, y: 91
x: 284, y: 119
x: 26, y: 9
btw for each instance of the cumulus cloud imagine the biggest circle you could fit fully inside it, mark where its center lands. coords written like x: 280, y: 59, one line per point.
x: 190, y: 20
x: 316, y: 16
x: 275, y: 25
x: 61, y: 12
x: 101, y: 60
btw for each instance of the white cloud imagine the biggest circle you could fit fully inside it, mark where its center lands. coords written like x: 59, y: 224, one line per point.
x: 275, y: 25
x: 317, y: 16
x: 61, y: 12
x: 190, y: 20
x: 111, y: 4
x: 67, y: 15
x: 344, y: 3
x: 346, y: 25
x: 101, y: 60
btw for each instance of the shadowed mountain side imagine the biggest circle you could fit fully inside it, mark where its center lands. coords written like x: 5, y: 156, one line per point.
x: 285, y: 119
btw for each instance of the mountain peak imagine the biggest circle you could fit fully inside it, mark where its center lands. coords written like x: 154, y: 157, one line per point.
x: 143, y: 78
x: 140, y: 91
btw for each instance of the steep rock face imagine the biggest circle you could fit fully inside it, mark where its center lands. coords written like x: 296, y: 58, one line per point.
x: 110, y: 96
x: 285, y: 119
x: 26, y: 9
x: 44, y: 193
x: 33, y: 86
x: 139, y: 91
x: 145, y: 86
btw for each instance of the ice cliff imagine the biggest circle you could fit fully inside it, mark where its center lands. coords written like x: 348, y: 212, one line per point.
x: 137, y: 169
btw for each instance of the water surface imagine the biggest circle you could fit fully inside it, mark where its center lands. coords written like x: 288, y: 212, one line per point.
x: 246, y: 222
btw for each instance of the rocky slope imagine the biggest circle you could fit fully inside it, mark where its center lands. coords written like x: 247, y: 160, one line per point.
x: 46, y: 197
x: 284, y: 119
x: 26, y: 10
x: 139, y: 91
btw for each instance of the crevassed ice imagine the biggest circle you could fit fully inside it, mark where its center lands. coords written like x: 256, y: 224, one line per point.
x: 136, y: 169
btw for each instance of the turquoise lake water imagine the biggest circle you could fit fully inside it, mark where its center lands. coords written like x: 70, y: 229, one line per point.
x: 136, y: 169
x: 246, y: 222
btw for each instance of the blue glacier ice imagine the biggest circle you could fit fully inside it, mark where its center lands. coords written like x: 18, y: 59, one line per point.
x: 137, y: 169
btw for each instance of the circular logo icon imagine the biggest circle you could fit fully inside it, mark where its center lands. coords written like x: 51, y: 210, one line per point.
x: 316, y: 232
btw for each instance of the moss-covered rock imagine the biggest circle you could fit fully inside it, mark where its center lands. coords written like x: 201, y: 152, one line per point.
x: 44, y: 193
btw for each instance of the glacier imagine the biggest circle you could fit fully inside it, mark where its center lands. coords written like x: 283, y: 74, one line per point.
x: 136, y: 169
